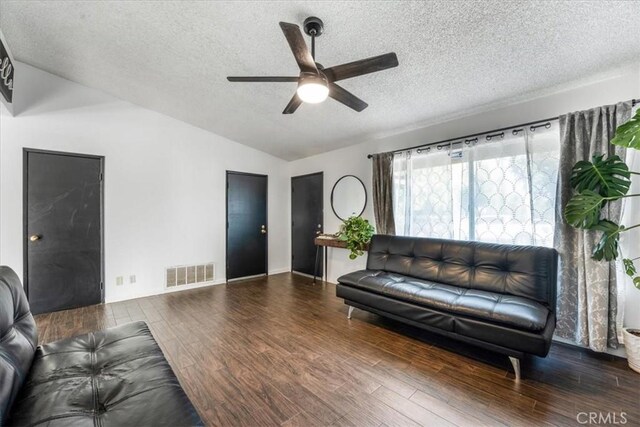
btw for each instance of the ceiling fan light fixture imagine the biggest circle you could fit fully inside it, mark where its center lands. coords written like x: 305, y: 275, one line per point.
x: 313, y: 89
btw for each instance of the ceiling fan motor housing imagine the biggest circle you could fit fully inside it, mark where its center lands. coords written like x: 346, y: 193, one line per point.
x: 306, y: 78
x: 313, y: 26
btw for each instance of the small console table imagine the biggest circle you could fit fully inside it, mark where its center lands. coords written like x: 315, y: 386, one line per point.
x: 327, y: 241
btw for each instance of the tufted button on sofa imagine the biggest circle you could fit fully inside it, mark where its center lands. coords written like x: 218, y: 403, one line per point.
x: 500, y: 297
x: 115, y: 377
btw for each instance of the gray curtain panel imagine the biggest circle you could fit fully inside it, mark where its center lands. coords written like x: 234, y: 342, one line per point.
x: 383, y: 193
x: 587, y: 289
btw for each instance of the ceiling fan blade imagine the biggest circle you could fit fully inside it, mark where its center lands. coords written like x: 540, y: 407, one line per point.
x: 299, y: 47
x: 293, y: 105
x: 263, y: 79
x: 347, y: 98
x: 363, y: 66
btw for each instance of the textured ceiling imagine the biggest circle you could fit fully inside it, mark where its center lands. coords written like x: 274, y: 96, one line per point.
x: 173, y: 57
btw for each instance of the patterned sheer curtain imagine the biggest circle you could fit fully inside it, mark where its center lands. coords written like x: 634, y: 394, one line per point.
x: 496, y: 188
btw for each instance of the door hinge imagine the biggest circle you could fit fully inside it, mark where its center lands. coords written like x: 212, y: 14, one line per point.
x: 101, y: 286
x: 101, y: 176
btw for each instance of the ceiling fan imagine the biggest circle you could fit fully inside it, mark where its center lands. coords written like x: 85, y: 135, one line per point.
x: 315, y: 82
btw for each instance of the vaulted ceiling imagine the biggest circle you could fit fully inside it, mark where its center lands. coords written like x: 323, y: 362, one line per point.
x: 173, y: 57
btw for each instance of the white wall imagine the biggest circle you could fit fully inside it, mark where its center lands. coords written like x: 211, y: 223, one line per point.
x: 164, y: 181
x: 619, y: 85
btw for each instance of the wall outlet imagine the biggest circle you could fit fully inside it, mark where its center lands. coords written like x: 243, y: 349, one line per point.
x: 119, y: 281
x: 132, y: 278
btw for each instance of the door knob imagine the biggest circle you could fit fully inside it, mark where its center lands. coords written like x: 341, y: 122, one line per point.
x: 263, y: 231
x: 34, y: 237
x: 318, y: 233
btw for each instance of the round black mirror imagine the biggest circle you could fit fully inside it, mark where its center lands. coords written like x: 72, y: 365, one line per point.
x: 348, y: 197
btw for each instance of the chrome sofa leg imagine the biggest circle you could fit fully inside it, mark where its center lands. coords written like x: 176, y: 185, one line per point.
x: 516, y: 366
x: 350, y: 311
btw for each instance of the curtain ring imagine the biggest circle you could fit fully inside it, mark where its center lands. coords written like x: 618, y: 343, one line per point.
x: 489, y: 137
x: 534, y: 127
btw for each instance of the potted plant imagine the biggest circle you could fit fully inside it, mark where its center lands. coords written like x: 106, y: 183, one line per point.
x: 357, y: 232
x: 598, y: 182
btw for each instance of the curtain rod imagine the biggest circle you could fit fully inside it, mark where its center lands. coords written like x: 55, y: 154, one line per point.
x: 634, y: 102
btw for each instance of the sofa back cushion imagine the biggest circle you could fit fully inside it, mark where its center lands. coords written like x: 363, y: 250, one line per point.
x: 525, y: 271
x: 18, y: 339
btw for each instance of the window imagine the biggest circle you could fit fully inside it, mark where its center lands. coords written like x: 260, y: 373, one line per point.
x: 493, y: 188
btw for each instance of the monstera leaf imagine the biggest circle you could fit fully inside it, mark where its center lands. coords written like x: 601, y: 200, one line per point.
x: 628, y: 135
x: 629, y: 268
x: 608, y: 177
x: 607, y: 247
x: 631, y: 271
x: 583, y: 210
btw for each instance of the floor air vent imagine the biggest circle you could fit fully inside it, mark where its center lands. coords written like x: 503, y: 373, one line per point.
x: 189, y: 274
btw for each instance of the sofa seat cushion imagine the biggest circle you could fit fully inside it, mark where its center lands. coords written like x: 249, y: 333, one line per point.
x: 476, y: 331
x: 111, y: 378
x: 514, y: 311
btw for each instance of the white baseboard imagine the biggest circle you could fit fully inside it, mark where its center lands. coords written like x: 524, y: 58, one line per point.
x: 195, y: 286
x: 166, y: 291
x: 185, y: 287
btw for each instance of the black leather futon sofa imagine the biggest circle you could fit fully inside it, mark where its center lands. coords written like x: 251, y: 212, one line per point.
x: 499, y: 297
x: 117, y: 377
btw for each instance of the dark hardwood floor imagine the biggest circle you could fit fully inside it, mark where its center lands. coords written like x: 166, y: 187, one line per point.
x: 281, y: 351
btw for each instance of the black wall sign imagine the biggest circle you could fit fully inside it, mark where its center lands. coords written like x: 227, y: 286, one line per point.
x: 6, y: 73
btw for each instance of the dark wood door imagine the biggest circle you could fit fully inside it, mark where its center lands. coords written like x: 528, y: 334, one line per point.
x: 306, y: 222
x: 63, y: 230
x: 246, y: 225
